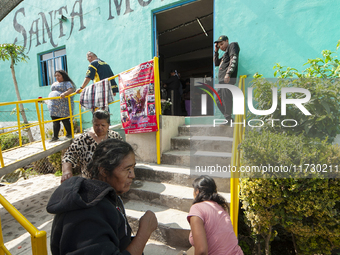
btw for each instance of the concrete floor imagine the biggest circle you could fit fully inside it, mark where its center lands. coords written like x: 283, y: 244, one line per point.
x: 30, y: 198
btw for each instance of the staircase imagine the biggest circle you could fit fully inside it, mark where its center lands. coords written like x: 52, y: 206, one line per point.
x: 166, y: 189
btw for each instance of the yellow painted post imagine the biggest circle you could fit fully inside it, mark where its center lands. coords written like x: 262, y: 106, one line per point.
x: 234, y: 182
x: 3, y: 249
x: 236, y: 161
x: 39, y: 245
x: 71, y: 115
x: 38, y: 238
x: 19, y: 126
x: 40, y: 125
x: 80, y: 120
x: 1, y: 159
x: 43, y: 136
x: 157, y: 106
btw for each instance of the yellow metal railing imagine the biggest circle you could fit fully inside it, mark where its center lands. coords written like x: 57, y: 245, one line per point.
x: 239, y: 131
x: 38, y: 238
x: 158, y: 106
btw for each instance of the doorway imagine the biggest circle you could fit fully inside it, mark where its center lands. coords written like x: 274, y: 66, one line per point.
x: 183, y: 42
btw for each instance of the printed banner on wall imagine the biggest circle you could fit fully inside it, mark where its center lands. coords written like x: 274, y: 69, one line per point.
x: 137, y: 99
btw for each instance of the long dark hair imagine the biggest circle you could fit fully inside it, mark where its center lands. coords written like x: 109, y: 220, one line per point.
x: 108, y: 155
x: 207, y: 191
x: 65, y: 76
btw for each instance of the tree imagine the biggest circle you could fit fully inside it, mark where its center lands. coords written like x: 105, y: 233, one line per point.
x: 15, y: 54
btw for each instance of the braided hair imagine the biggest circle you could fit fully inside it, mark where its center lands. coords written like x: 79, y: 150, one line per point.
x: 108, y: 155
x: 207, y: 191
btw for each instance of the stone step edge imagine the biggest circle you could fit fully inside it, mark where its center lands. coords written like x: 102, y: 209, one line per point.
x: 171, y: 169
x: 177, y: 220
x: 188, y: 191
x: 204, y: 125
x: 198, y: 153
x: 204, y: 138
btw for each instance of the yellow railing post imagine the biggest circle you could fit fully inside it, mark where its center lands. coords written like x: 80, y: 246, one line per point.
x: 39, y: 244
x: 236, y: 161
x: 19, y: 126
x: 157, y: 106
x: 71, y: 115
x: 40, y: 125
x: 1, y: 158
x: 38, y: 238
x: 43, y: 136
x: 80, y: 120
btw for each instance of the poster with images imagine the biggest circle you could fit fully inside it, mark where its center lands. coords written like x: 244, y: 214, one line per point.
x: 137, y: 99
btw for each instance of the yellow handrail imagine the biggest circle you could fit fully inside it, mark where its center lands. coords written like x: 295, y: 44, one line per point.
x: 239, y: 131
x: 38, y: 238
x: 158, y: 107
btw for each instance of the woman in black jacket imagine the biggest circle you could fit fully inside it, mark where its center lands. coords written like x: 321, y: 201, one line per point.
x: 89, y: 214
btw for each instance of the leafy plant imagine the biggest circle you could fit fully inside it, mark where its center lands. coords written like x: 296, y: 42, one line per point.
x: 55, y: 160
x: 15, y: 54
x: 165, y: 104
x: 11, y: 140
x: 308, y: 208
x: 321, y: 79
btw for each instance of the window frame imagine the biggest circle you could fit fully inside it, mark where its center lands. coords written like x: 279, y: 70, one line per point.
x: 44, y: 74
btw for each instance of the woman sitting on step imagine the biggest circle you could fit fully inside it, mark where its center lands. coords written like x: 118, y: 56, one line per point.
x: 211, y: 228
x: 82, y: 148
x: 89, y: 214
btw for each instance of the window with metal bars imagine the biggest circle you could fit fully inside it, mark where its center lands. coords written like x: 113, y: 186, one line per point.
x: 51, y: 62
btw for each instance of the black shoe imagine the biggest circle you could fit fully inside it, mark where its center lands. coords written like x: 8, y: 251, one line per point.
x: 229, y: 119
x: 69, y: 136
x: 54, y: 139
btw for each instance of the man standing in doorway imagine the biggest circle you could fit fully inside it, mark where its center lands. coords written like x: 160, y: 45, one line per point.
x: 98, y: 70
x: 227, y: 72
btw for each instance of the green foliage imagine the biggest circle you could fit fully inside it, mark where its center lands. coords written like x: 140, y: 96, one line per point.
x: 10, y: 51
x: 321, y: 79
x: 55, y: 160
x: 58, y: 173
x: 11, y: 140
x: 309, y: 208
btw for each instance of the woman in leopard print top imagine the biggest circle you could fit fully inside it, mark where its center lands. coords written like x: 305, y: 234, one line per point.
x: 82, y: 147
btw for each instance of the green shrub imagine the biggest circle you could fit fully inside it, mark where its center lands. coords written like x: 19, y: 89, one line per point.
x: 324, y: 120
x: 55, y: 160
x: 321, y: 78
x: 309, y: 208
x: 11, y: 140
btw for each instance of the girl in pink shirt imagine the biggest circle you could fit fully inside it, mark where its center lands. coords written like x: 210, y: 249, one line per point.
x: 211, y: 229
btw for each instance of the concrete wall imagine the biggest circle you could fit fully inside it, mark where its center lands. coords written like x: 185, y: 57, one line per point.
x: 169, y: 129
x: 145, y: 143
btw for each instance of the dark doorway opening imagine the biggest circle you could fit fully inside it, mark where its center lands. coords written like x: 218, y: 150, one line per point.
x: 184, y: 41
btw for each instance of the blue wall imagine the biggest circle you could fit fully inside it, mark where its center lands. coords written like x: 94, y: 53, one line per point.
x: 267, y: 31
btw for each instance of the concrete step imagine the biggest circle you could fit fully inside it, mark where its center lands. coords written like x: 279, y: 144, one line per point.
x: 157, y: 248
x: 172, y: 196
x: 207, y: 143
x: 177, y: 175
x: 173, y: 227
x: 196, y: 158
x: 206, y: 130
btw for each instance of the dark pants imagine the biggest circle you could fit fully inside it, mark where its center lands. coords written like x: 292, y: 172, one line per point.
x: 227, y: 102
x: 56, y: 126
x: 175, y: 97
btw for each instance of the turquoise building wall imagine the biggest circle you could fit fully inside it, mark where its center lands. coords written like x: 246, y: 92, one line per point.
x: 121, y: 33
x: 269, y: 31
